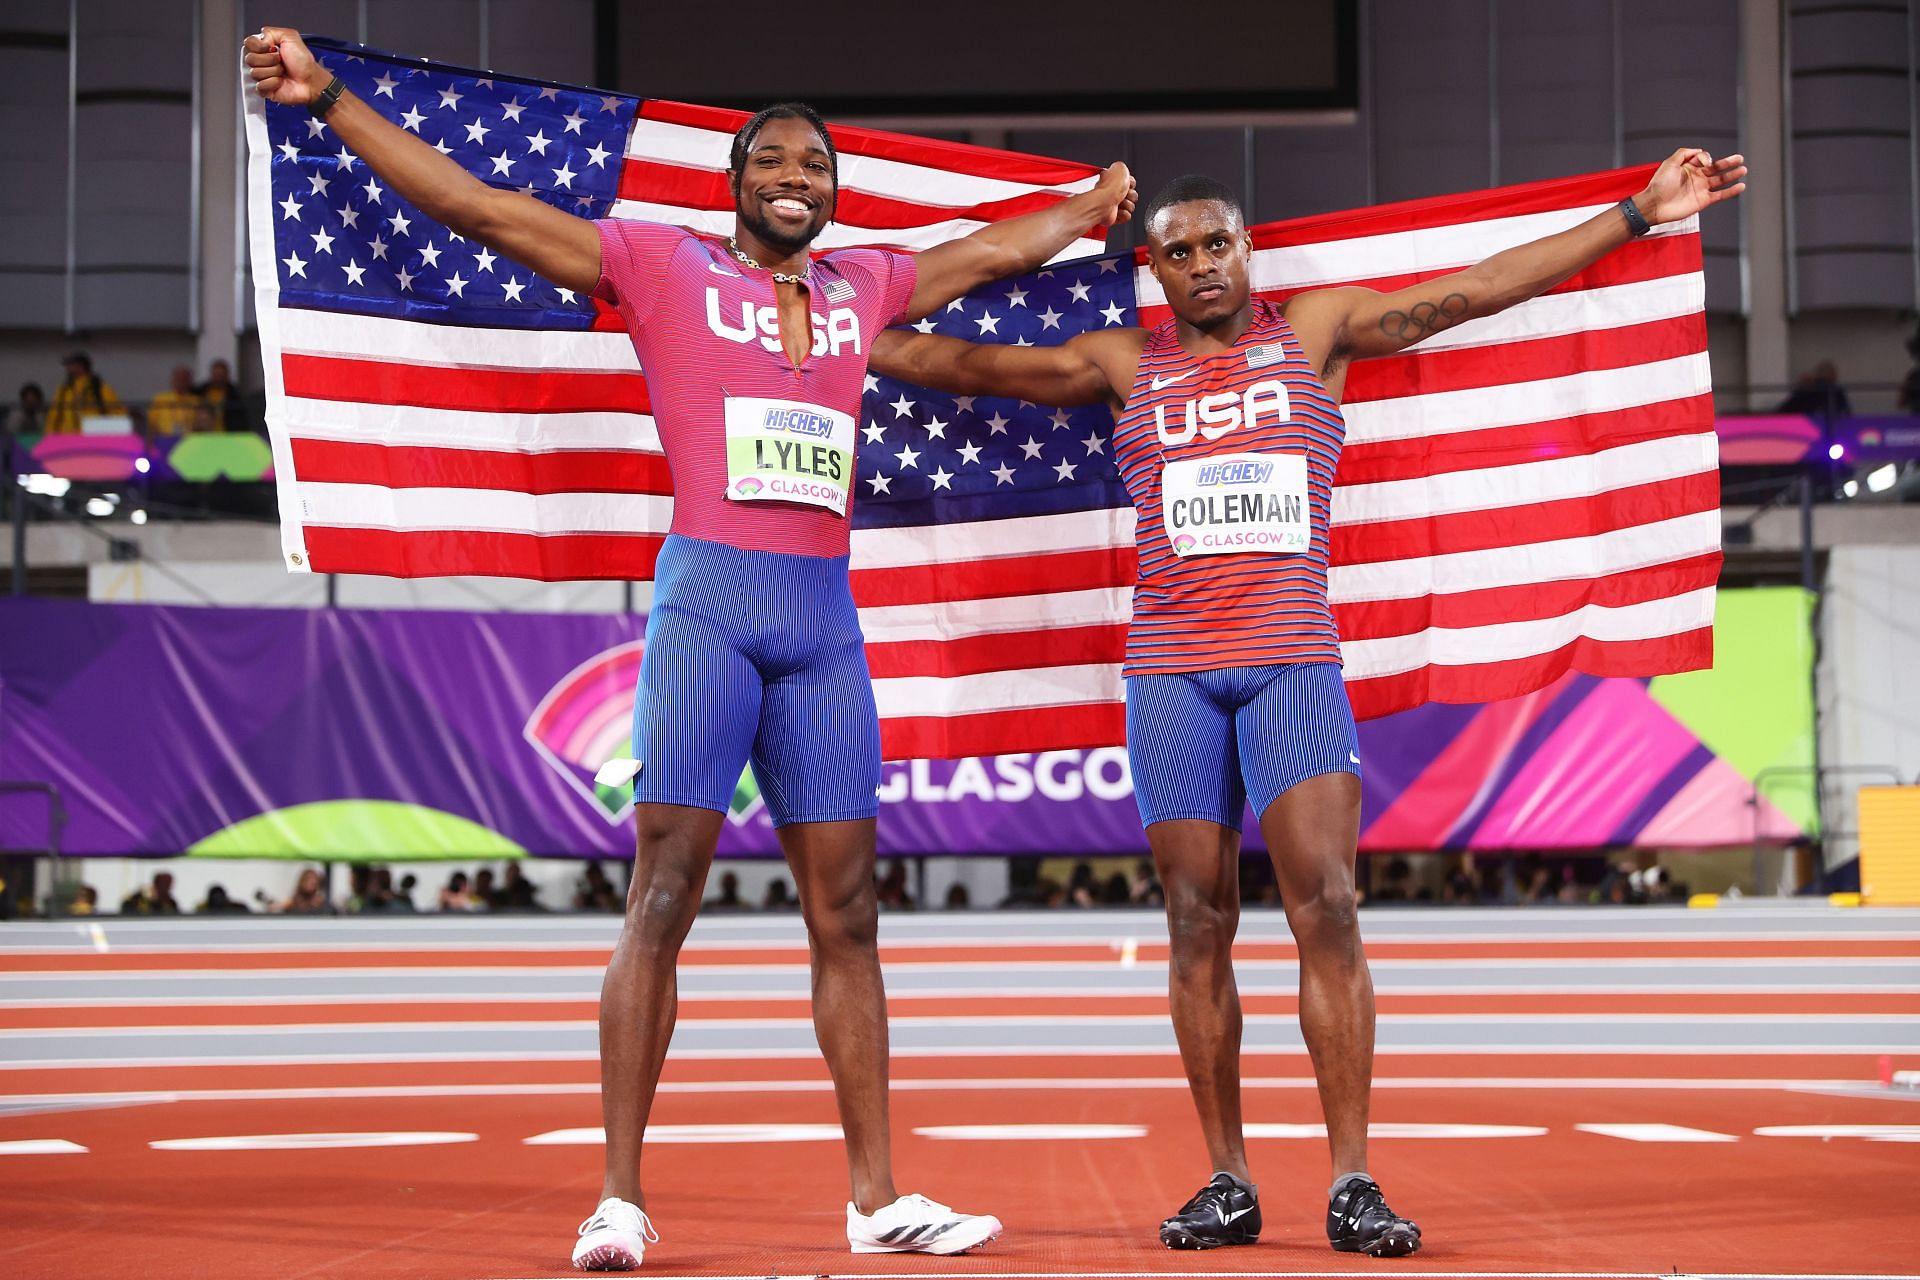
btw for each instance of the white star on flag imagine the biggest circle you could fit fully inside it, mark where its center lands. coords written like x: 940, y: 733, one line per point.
x: 430, y: 256
x: 456, y: 286
x: 880, y: 483
x: 564, y: 176
x: 290, y: 208
x: 597, y: 155
x: 1065, y: 470
x: 354, y: 271
x: 374, y: 191
x: 385, y: 83
x: 874, y: 433
x: 322, y: 241
x: 477, y: 132
x: 511, y: 110
x: 378, y: 246
x: 295, y: 266
x: 1002, y: 474
x: 485, y: 260
x: 537, y: 144
x: 574, y: 121
x: 1031, y: 448
x: 909, y: 457
x: 406, y: 280
x: 942, y: 478
x: 988, y: 322
x: 902, y: 407
x: 969, y: 453
x: 513, y: 289
x: 411, y: 120
x: 449, y: 98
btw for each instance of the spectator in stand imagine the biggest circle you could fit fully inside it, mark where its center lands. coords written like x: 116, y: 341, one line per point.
x: 29, y: 415
x: 1818, y: 394
x: 177, y: 410
x: 594, y: 892
x: 519, y: 893
x: 309, y: 897
x: 155, y: 900
x: 86, y: 901
x: 958, y: 899
x: 1117, y: 891
x: 485, y: 896
x: 83, y: 395
x: 892, y: 889
x: 777, y: 897
x: 1909, y: 389
x: 219, y: 904
x: 455, y: 896
x: 728, y: 899
x: 219, y: 396
x: 1081, y: 891
x: 1145, y: 890
x: 403, y: 900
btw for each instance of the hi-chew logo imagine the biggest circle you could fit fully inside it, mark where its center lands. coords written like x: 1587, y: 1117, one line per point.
x: 1237, y: 471
x: 586, y: 720
x: 797, y: 420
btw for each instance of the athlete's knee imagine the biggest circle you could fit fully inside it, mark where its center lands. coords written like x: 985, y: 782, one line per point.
x: 1324, y: 912
x: 844, y: 919
x: 660, y: 911
x: 1199, y: 926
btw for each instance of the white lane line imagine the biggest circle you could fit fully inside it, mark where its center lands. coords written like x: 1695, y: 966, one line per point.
x: 1316, y: 1131
x: 1030, y: 1132
x: 1871, y: 1132
x: 1656, y: 1133
x: 41, y: 1147
x: 811, y: 1053
x: 1308, y: 1275
x: 967, y: 1084
x: 962, y: 1022
x: 311, y: 1141
x: 693, y: 1134
x: 1607, y: 963
x: 798, y: 993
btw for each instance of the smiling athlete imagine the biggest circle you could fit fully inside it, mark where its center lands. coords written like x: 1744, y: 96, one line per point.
x: 755, y: 355
x: 1227, y: 433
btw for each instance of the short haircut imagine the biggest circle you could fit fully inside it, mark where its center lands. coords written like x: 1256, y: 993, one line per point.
x: 743, y: 140
x: 1187, y: 188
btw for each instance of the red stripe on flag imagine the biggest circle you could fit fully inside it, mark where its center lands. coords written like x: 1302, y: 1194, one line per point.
x: 482, y: 390
x: 430, y: 467
x: 994, y: 579
x: 1527, y: 360
x: 992, y: 733
x: 1480, y: 529
x: 1417, y: 457
x: 953, y: 157
x: 1491, y: 681
x: 660, y: 183
x: 1378, y: 619
x: 1004, y: 651
x: 441, y: 553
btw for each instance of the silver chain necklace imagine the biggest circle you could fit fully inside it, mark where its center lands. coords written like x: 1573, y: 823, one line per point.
x: 780, y: 277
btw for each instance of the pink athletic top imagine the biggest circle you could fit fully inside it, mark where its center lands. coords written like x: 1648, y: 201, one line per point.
x: 706, y: 328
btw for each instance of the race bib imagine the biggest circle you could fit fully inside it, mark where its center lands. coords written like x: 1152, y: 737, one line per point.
x: 788, y: 451
x: 1233, y: 503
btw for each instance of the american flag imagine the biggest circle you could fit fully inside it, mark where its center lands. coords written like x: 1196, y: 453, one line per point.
x: 1522, y: 496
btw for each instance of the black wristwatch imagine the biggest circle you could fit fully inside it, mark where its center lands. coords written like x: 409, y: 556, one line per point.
x: 331, y: 94
x: 1637, y: 224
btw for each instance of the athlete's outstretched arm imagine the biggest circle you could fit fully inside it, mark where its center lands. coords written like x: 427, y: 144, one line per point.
x: 1362, y: 322
x: 559, y: 246
x: 1019, y: 244
x: 1082, y: 370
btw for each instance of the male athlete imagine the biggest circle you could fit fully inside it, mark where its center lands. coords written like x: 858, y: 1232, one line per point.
x: 755, y: 356
x: 1233, y: 665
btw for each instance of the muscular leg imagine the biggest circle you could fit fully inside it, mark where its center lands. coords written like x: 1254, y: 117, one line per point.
x: 1312, y: 831
x: 639, y: 997
x: 833, y: 874
x: 1199, y: 866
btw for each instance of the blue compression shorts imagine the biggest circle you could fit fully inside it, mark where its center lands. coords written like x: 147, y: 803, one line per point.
x: 1202, y: 743
x: 755, y: 655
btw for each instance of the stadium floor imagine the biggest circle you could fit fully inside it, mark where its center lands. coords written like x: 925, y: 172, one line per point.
x: 1559, y: 1093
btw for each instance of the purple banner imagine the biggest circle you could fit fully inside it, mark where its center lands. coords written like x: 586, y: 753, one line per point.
x: 392, y: 735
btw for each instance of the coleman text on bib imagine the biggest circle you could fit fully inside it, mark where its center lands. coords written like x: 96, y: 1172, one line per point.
x: 1236, y: 502
x: 787, y: 451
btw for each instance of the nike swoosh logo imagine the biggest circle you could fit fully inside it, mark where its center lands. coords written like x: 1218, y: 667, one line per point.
x: 1162, y: 386
x: 1226, y: 1218
x: 719, y: 270
x: 1353, y: 757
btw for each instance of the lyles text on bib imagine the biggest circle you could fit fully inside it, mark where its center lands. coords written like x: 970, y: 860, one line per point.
x: 788, y: 451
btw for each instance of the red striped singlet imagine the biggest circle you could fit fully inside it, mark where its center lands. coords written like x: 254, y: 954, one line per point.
x: 1261, y: 396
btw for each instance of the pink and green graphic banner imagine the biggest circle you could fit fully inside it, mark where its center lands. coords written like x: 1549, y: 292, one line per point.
x: 391, y: 735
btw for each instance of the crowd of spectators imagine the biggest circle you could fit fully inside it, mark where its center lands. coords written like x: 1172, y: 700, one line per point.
x: 1456, y: 880
x: 212, y: 403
